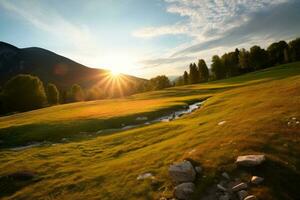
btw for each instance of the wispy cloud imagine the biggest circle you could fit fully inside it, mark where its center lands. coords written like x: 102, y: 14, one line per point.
x: 222, y: 24
x: 48, y: 20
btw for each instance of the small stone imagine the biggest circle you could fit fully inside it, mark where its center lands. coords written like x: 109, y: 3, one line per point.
x: 294, y: 118
x: 242, y: 194
x: 142, y: 118
x: 225, y: 175
x: 239, y: 187
x: 297, y: 122
x: 182, y: 172
x: 224, y: 197
x: 198, y: 169
x: 145, y: 176
x: 221, y: 187
x: 250, y: 160
x: 256, y: 180
x: 221, y: 123
x: 250, y: 197
x: 184, y: 191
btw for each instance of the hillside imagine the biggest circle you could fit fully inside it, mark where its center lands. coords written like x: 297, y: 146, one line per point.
x: 53, y: 68
x: 78, y: 161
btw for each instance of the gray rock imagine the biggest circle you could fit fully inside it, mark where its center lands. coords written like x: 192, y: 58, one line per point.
x: 250, y: 160
x: 198, y: 169
x: 182, y: 172
x: 242, y: 194
x: 225, y: 175
x: 250, y: 197
x: 239, y: 187
x: 221, y: 187
x: 184, y: 191
x: 256, y: 180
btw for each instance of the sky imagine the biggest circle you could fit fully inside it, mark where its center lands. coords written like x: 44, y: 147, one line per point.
x: 146, y: 38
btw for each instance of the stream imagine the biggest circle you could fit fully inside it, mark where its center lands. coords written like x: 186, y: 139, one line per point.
x: 166, y: 118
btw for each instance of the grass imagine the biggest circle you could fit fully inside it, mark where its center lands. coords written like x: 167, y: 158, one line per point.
x: 256, y: 108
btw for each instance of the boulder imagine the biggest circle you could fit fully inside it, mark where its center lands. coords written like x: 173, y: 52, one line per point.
x: 242, y: 194
x: 184, y: 191
x: 250, y: 197
x: 182, y: 172
x: 250, y: 160
x: 256, y: 180
x: 239, y: 187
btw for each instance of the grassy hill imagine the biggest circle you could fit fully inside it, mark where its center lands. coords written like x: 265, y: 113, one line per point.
x: 256, y: 107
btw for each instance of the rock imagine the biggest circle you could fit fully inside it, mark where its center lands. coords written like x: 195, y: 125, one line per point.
x: 256, y: 180
x: 294, y: 118
x: 250, y: 160
x: 221, y: 123
x: 145, y: 176
x: 184, y: 191
x: 239, y: 187
x: 221, y: 187
x: 225, y: 175
x: 242, y: 194
x: 198, y: 169
x: 224, y: 197
x: 250, y: 197
x: 182, y: 172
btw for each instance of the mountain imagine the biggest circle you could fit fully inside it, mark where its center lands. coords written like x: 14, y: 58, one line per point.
x: 53, y: 68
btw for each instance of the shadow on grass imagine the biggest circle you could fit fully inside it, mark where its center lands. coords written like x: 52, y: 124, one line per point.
x: 77, y: 130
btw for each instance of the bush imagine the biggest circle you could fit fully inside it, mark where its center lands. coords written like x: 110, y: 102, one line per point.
x: 52, y: 94
x: 23, y: 93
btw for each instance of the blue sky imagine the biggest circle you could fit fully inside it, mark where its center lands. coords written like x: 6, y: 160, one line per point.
x: 146, y: 37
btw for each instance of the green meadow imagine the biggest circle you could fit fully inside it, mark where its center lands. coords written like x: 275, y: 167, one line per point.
x: 256, y: 108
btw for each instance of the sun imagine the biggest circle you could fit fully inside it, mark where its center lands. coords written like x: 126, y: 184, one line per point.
x: 114, y: 72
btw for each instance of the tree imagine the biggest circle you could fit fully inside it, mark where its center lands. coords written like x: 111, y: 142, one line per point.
x: 294, y: 52
x: 159, y: 82
x: 244, y: 61
x: 23, y: 93
x: 179, y: 81
x: 185, y: 78
x: 194, y: 74
x: 217, y: 68
x: 258, y: 58
x: 276, y: 53
x: 203, y: 71
x: 77, y: 93
x: 52, y: 94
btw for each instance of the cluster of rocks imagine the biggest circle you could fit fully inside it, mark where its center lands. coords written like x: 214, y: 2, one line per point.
x: 183, y: 175
x: 236, y: 189
x: 293, y: 122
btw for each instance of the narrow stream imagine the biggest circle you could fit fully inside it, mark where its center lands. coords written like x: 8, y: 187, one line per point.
x: 166, y: 118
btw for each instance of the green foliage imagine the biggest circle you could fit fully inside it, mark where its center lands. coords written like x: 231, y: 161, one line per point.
x: 52, y: 94
x: 276, y: 53
x: 217, y: 68
x: 244, y: 61
x: 203, y: 71
x: 159, y: 82
x: 258, y: 58
x: 23, y: 93
x: 294, y: 47
x: 194, y: 74
x: 185, y: 78
x: 77, y: 93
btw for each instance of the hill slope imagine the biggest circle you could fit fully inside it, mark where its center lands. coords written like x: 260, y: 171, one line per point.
x: 256, y: 107
x: 51, y: 67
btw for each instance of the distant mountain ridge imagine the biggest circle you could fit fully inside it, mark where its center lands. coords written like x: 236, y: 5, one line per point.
x: 50, y: 68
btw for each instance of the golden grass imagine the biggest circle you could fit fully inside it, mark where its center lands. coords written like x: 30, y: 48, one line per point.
x: 256, y: 112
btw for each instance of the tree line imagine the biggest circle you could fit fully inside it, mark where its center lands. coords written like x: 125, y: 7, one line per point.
x: 241, y: 61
